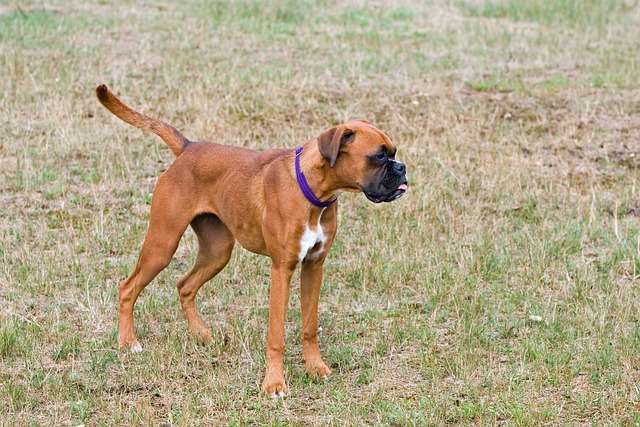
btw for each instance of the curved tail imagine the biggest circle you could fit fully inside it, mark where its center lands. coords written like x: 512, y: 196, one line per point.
x: 170, y: 135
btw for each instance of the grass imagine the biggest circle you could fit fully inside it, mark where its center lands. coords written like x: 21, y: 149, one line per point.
x: 568, y: 13
x: 501, y: 289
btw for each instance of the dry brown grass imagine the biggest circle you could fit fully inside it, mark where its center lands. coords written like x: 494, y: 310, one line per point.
x: 502, y: 289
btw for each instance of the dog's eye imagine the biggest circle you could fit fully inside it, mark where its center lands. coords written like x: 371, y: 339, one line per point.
x: 380, y: 157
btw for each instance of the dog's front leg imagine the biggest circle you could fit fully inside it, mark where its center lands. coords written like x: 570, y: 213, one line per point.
x: 310, y: 284
x: 273, y: 383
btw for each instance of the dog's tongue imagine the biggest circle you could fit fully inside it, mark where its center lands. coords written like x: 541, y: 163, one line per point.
x: 402, y: 187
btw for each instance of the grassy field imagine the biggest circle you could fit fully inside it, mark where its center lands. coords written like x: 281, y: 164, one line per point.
x: 503, y: 288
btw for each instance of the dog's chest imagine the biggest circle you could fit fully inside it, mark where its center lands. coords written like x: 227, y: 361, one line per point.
x: 311, y: 243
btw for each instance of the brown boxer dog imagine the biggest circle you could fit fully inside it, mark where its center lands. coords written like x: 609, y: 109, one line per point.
x: 281, y: 203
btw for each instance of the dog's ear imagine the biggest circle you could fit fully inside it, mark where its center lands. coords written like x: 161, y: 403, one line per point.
x: 331, y: 140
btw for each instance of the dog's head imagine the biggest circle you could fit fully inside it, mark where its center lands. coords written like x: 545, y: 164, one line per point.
x: 363, y: 158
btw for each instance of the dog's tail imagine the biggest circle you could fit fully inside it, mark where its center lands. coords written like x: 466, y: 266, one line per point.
x: 170, y: 135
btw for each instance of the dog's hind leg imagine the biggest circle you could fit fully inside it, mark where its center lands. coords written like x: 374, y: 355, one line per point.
x: 215, y: 247
x: 167, y: 224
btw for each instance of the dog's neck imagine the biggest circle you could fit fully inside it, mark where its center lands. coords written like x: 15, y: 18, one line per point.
x: 303, y: 184
x: 313, y: 166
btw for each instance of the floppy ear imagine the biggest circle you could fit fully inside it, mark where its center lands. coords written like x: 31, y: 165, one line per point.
x: 330, y: 141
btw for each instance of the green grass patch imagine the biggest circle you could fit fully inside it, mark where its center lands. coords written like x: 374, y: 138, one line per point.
x: 572, y: 13
x: 501, y: 289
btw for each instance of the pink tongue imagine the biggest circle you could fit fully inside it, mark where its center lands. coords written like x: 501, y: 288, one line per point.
x: 402, y: 187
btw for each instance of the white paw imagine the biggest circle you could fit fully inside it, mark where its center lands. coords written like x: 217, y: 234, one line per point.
x: 136, y: 348
x: 278, y: 394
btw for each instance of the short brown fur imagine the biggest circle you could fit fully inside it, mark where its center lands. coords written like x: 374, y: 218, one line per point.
x: 229, y: 193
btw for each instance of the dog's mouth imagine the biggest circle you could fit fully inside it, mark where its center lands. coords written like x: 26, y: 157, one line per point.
x: 394, y: 195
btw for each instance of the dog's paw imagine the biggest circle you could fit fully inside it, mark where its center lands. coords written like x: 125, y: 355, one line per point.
x: 278, y: 389
x: 129, y: 344
x: 273, y: 385
x: 201, y: 334
x: 317, y: 368
x: 278, y: 394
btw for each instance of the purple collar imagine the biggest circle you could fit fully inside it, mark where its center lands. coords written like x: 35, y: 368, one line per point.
x: 304, y: 185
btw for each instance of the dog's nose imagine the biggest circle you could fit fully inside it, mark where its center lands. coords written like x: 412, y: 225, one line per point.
x: 400, y: 167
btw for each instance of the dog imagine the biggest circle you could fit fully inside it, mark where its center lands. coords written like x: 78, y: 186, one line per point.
x: 281, y: 203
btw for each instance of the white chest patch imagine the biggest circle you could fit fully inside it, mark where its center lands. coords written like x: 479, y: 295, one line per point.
x: 310, y: 239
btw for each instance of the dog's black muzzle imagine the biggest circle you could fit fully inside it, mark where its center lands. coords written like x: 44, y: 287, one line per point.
x: 392, y: 186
